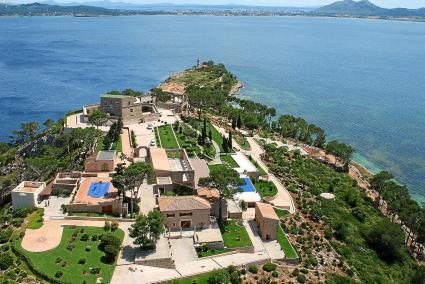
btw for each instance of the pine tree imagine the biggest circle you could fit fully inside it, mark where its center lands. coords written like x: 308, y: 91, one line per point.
x: 204, y: 131
x: 210, y: 136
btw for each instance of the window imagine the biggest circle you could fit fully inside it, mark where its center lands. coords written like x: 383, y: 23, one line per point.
x: 170, y: 215
x: 131, y: 110
x: 186, y: 214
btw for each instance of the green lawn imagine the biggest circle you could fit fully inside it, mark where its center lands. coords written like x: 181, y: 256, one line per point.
x: 242, y: 142
x: 199, y: 279
x: 228, y: 159
x: 265, y: 188
x: 260, y: 169
x: 281, y: 213
x: 211, y: 252
x: 285, y: 245
x: 62, y: 259
x: 118, y: 145
x: 168, y: 141
x: 216, y: 136
x: 35, y: 219
x: 234, y: 235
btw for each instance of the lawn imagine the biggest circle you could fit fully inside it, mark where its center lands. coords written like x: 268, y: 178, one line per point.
x: 118, y: 145
x: 211, y: 252
x: 234, y: 235
x: 281, y: 213
x: 67, y: 261
x: 199, y: 279
x: 229, y: 160
x: 168, y: 140
x: 242, y: 142
x: 215, y: 135
x: 265, y: 188
x: 285, y: 245
x: 260, y: 169
x: 35, y: 219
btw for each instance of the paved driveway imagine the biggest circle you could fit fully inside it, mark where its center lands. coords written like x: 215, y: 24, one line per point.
x: 182, y: 250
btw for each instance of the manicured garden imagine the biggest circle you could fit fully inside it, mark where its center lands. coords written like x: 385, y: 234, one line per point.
x: 241, y: 140
x: 205, y: 251
x: 281, y: 213
x: 285, y: 245
x: 234, y: 234
x: 166, y: 135
x: 84, y: 255
x: 265, y: 188
x: 229, y: 160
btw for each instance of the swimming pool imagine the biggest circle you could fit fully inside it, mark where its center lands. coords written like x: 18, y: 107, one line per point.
x: 98, y: 189
x: 248, y: 186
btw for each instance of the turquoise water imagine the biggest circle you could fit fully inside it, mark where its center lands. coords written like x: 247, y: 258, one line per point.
x: 98, y: 189
x: 361, y: 80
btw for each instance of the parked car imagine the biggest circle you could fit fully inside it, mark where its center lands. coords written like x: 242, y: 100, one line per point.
x: 153, y: 143
x: 149, y: 126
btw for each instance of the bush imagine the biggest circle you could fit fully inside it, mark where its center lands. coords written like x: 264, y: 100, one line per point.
x: 85, y: 237
x: 107, y: 226
x: 95, y: 270
x: 94, y: 238
x: 70, y: 247
x: 6, y: 261
x: 243, y: 271
x: 5, y: 235
x: 275, y: 274
x: 269, y: 267
x: 114, y: 226
x: 58, y: 274
x: 231, y: 269
x: 88, y: 248
x: 295, y: 272
x: 82, y: 261
x: 58, y: 260
x: 301, y: 278
x: 218, y: 277
x: 110, y: 245
x: 235, y: 278
x: 22, y: 212
x: 17, y: 222
x: 253, y: 269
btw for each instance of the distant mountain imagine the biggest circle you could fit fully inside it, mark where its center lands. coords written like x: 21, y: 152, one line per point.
x: 39, y: 9
x: 365, y: 8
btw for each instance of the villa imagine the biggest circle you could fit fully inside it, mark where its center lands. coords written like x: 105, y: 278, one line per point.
x: 130, y: 109
x: 185, y: 212
x: 212, y: 195
x: 26, y: 194
x: 97, y: 195
x: 171, y: 167
x: 103, y: 161
x: 267, y: 221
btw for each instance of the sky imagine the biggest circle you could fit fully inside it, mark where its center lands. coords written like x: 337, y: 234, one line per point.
x: 294, y: 3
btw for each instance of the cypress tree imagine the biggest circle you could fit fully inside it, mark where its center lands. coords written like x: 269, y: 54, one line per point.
x: 230, y: 141
x: 239, y: 122
x: 233, y: 123
x: 225, y: 144
x: 210, y: 135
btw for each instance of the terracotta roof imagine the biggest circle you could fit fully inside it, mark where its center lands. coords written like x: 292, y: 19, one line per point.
x: 159, y: 159
x: 182, y: 203
x: 208, y: 192
x: 266, y: 210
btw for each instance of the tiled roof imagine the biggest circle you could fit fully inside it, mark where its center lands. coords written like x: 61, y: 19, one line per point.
x: 266, y: 210
x: 208, y: 192
x: 182, y: 203
x: 106, y: 155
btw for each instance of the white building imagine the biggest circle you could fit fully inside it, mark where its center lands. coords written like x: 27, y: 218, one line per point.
x: 26, y: 194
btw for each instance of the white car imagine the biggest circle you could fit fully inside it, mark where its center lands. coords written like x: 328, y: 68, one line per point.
x: 152, y: 143
x: 149, y: 126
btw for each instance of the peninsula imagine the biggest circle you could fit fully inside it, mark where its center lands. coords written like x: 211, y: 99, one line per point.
x: 191, y: 183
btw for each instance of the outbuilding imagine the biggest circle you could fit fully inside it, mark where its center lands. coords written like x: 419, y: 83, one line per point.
x: 267, y: 221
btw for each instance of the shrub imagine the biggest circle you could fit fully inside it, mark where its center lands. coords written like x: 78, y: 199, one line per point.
x: 235, y: 278
x: 107, y: 226
x: 58, y: 260
x: 22, y: 212
x: 17, y: 222
x: 85, y: 237
x: 301, y: 278
x: 5, y: 235
x: 110, y: 245
x: 295, y: 272
x: 94, y: 238
x: 114, y: 226
x: 231, y: 269
x: 253, y: 269
x: 58, y: 274
x: 218, y: 277
x: 269, y: 267
x: 275, y: 274
x: 6, y: 261
x: 88, y: 248
x: 70, y: 247
x: 243, y: 271
x: 303, y: 270
x: 82, y: 261
x: 313, y: 261
x: 328, y: 233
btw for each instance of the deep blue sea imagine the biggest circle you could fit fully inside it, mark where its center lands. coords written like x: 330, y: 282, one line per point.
x: 361, y: 80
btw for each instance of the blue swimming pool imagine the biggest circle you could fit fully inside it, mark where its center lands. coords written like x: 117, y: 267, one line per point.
x: 98, y: 189
x: 248, y: 186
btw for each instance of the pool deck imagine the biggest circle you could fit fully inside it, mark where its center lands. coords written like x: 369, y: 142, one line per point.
x: 82, y: 194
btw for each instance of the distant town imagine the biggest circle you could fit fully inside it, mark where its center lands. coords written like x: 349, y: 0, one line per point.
x: 347, y: 8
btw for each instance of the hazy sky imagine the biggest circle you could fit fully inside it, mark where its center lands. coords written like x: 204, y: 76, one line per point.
x: 296, y: 3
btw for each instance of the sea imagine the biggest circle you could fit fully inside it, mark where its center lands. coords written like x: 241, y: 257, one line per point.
x: 361, y: 80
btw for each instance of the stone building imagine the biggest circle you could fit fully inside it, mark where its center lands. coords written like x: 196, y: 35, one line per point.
x: 26, y: 194
x: 185, y: 212
x: 267, y: 221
